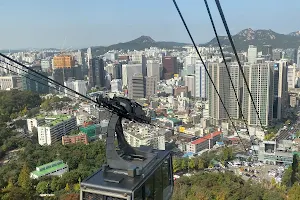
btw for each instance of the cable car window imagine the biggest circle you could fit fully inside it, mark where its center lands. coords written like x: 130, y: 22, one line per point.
x: 138, y: 194
x: 149, y: 188
x: 166, y: 173
x: 158, y: 195
x: 92, y: 196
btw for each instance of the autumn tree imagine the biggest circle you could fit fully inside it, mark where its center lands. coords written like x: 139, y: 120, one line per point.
x: 24, y: 178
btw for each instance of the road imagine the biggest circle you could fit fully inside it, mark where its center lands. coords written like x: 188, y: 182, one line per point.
x: 293, y: 128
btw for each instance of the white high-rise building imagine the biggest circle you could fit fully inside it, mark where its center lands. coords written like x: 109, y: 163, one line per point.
x: 190, y: 83
x: 252, y: 54
x: 128, y: 70
x: 200, y: 80
x: 79, y: 86
x: 260, y: 81
x: 116, y: 85
x: 220, y: 78
x: 291, y: 76
x: 153, y: 68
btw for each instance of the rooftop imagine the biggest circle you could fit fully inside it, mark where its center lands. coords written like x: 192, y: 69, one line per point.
x: 49, y: 168
x: 55, y: 119
x: 207, y: 137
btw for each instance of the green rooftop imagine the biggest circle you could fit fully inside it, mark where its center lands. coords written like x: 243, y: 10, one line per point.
x: 49, y: 168
x: 53, y: 119
x: 174, y: 120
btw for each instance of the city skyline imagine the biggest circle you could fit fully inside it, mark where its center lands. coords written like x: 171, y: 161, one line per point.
x: 35, y: 24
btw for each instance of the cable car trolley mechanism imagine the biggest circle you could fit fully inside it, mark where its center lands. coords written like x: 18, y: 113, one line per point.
x: 130, y: 173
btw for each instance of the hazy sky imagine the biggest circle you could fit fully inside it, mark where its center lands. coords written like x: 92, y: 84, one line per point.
x: 47, y: 23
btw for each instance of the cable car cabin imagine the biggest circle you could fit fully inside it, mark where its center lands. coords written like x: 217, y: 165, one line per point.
x: 155, y: 183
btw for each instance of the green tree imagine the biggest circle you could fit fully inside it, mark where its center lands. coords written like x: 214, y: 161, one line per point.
x: 176, y: 164
x: 287, y: 177
x: 287, y: 122
x: 191, y: 163
x: 184, y: 164
x: 42, y: 187
x: 297, y: 134
x: 67, y: 188
x: 201, y: 164
x: 294, y: 192
x: 24, y: 178
x: 76, y: 187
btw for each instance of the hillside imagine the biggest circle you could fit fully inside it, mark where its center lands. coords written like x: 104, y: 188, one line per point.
x: 137, y: 44
x: 259, y: 38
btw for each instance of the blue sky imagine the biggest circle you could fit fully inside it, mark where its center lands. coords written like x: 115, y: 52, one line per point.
x: 42, y: 23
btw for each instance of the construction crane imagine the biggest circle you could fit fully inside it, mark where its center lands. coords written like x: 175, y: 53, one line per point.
x: 130, y: 173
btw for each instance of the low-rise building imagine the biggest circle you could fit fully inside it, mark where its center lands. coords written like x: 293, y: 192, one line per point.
x: 206, y: 142
x: 55, y: 168
x: 276, y: 153
x: 73, y: 139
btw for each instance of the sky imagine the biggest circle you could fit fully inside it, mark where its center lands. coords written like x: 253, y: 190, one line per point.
x: 82, y: 23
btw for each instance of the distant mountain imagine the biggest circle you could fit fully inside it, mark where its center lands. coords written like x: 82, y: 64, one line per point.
x: 259, y: 38
x: 137, y: 44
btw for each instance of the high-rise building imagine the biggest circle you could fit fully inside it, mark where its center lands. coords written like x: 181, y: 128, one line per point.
x: 10, y: 82
x: 169, y: 67
x: 277, y: 55
x: 151, y: 85
x: 128, y: 70
x: 63, y: 61
x: 79, y: 86
x: 144, y: 65
x: 267, y: 50
x: 200, y: 81
x: 298, y: 58
x: 260, y: 80
x: 116, y: 85
x: 233, y: 106
x: 280, y: 89
x: 153, y: 69
x: 46, y: 65
x: 220, y: 78
x: 291, y: 76
x: 96, y: 73
x: 136, y: 88
x: 252, y: 54
x: 190, y: 83
x: 34, y: 82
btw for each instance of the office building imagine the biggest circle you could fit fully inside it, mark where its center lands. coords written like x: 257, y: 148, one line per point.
x: 153, y: 68
x: 277, y: 54
x: 55, y: 168
x: 252, y: 54
x: 136, y: 88
x: 63, y: 61
x: 54, y: 127
x: 221, y: 80
x: 280, y: 103
x: 200, y: 81
x: 79, y: 86
x: 116, y: 85
x: 190, y: 83
x: 34, y: 82
x: 151, y: 86
x: 267, y: 50
x: 169, y: 67
x: 128, y: 70
x: 10, y: 82
x: 46, y: 65
x: 144, y: 65
x: 96, y: 73
x: 291, y: 76
x: 260, y: 81
x: 298, y: 58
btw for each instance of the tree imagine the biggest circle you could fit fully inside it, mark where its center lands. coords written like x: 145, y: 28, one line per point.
x: 42, y: 187
x: 201, y: 164
x: 67, y: 188
x: 24, y: 178
x: 192, y: 164
x: 294, y: 192
x: 176, y: 165
x: 287, y: 177
x: 184, y: 164
x: 76, y: 187
x: 297, y: 134
x: 287, y: 122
